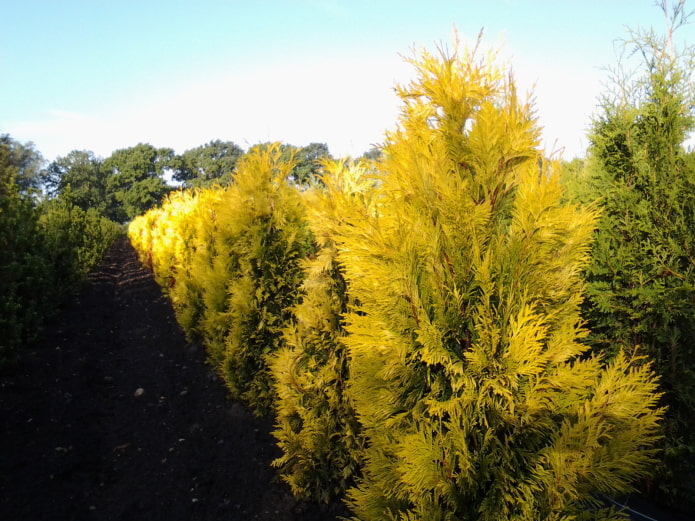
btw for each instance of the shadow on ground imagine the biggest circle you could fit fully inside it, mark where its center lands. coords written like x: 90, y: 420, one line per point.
x: 113, y: 416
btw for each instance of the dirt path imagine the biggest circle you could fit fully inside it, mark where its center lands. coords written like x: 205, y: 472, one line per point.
x: 113, y: 416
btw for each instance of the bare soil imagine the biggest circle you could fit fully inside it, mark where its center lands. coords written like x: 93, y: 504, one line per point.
x: 113, y: 416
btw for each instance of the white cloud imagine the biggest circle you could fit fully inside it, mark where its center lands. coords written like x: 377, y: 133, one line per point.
x: 346, y: 103
x: 52, y: 134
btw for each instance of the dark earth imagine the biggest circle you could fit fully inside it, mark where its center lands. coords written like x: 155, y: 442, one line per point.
x: 113, y: 416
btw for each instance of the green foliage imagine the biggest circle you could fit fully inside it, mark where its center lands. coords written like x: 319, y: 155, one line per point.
x: 642, y: 275
x: 212, y: 163
x: 75, y: 240
x: 316, y: 425
x: 308, y: 162
x: 467, y: 372
x: 135, y: 180
x: 79, y: 177
x: 27, y: 161
x: 373, y: 154
x: 22, y: 266
x: 45, y: 251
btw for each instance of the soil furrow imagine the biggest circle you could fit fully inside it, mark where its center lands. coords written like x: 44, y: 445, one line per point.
x: 113, y: 416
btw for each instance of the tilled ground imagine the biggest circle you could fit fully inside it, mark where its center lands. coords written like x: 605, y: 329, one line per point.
x: 113, y: 416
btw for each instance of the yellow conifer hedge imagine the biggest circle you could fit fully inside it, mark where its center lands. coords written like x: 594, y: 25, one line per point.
x: 426, y: 352
x: 230, y: 260
x: 475, y: 395
x: 317, y: 429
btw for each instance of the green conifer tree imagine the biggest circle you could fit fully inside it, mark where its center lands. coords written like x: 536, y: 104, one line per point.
x: 467, y: 373
x: 641, y: 279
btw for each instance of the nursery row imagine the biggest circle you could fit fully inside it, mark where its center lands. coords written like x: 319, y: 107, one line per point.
x: 46, y: 249
x: 414, y: 323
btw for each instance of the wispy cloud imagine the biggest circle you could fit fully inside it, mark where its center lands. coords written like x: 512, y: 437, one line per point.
x: 346, y: 103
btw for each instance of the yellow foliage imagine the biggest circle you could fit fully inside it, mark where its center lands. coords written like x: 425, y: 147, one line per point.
x: 466, y: 368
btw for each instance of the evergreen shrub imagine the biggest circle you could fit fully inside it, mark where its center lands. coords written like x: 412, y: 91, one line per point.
x: 317, y: 429
x: 475, y: 394
x: 641, y: 279
x: 46, y: 251
x: 237, y: 272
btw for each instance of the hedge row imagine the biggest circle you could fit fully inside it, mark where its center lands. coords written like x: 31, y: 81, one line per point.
x: 414, y: 324
x: 46, y: 250
x: 233, y: 275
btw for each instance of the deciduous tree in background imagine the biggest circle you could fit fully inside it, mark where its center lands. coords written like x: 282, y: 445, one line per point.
x: 135, y: 179
x: 309, y: 160
x: 212, y: 163
x: 27, y: 162
x: 80, y: 173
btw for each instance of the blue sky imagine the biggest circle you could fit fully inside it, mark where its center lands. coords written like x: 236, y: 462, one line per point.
x: 101, y: 75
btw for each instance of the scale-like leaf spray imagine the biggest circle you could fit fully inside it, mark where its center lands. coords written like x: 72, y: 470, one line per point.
x: 464, y: 343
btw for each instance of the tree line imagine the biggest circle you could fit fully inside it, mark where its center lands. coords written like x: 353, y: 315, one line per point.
x: 58, y: 218
x: 132, y: 180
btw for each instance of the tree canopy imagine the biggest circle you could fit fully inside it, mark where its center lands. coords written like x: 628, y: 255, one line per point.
x: 135, y: 179
x: 79, y: 176
x: 26, y: 161
x: 214, y: 162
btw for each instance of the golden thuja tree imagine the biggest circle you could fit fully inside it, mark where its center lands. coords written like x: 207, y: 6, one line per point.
x: 316, y: 425
x: 263, y: 239
x: 477, y: 399
x: 230, y: 260
x: 192, y: 253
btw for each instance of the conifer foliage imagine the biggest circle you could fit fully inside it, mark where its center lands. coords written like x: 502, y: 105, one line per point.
x: 642, y: 274
x: 268, y: 238
x: 46, y: 248
x: 231, y: 261
x: 316, y: 424
x: 466, y: 367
